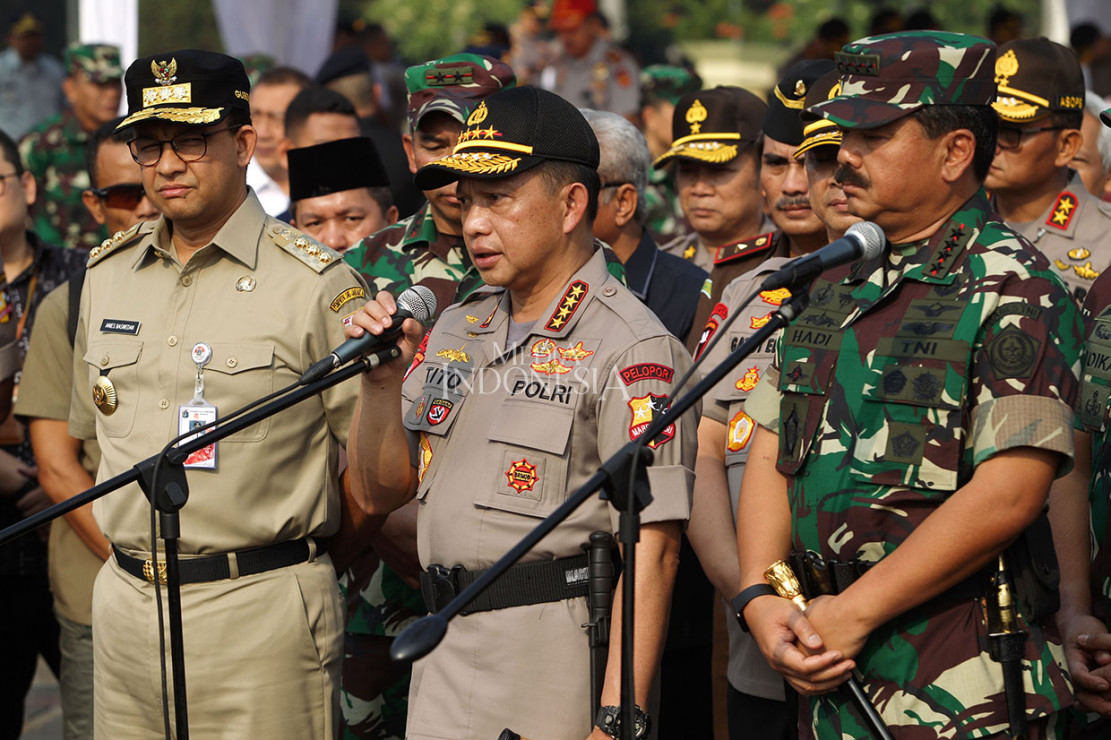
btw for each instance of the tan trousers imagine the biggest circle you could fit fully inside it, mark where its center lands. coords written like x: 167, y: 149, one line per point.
x: 262, y: 655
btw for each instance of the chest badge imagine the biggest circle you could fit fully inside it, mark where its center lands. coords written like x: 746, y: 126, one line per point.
x: 1080, y: 253
x: 104, y: 395
x: 522, y: 476
x: 749, y: 380
x: 245, y: 284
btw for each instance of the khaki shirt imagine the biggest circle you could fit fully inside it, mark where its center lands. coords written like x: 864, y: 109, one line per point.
x: 269, y: 302
x: 1075, y: 234
x: 747, y: 670
x: 45, y: 394
x: 500, y: 437
x: 607, y: 78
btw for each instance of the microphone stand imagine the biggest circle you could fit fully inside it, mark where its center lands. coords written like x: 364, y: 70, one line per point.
x: 162, y: 479
x: 624, y: 477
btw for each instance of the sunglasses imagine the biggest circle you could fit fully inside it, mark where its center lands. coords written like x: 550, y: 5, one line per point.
x: 120, y: 196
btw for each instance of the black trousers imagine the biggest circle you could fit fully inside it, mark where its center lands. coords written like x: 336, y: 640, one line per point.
x: 755, y: 718
x: 27, y: 629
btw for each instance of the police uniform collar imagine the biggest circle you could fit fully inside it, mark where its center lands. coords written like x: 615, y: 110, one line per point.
x: 569, y: 305
x: 238, y: 237
x: 1063, y: 214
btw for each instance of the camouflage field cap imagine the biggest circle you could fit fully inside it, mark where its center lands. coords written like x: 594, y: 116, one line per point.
x: 884, y: 78
x: 667, y: 82
x: 783, y: 121
x: 512, y: 131
x: 1037, y: 77
x: 819, y: 131
x: 186, y: 86
x: 99, y: 62
x: 453, y: 85
x: 713, y: 125
x: 335, y: 166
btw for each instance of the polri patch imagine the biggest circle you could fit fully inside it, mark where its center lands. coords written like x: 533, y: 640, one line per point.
x: 120, y: 326
x: 346, y: 296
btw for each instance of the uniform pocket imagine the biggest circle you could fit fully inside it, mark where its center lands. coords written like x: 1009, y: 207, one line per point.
x: 117, y: 360
x: 239, y: 373
x: 528, y: 459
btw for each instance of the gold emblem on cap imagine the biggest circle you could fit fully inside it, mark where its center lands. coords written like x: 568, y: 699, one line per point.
x: 245, y: 284
x: 104, y: 395
x: 696, y: 114
x: 478, y: 115
x: 164, y: 72
x: 800, y: 88
x: 1005, y: 67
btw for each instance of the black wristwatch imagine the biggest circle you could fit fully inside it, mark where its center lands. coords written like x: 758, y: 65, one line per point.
x: 740, y: 601
x: 609, y: 721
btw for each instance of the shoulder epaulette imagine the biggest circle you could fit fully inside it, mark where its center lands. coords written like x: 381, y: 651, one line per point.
x: 118, y: 241
x: 1062, y: 211
x: 302, y: 246
x: 744, y: 248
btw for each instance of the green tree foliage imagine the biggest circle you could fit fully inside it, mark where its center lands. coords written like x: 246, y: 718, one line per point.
x: 165, y: 25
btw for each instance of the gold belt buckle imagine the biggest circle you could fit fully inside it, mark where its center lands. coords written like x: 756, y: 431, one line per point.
x: 148, y: 571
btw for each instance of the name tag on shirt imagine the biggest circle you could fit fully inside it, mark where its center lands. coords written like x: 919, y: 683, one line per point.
x: 119, y: 326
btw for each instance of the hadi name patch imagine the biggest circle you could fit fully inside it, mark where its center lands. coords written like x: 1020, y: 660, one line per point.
x: 119, y: 326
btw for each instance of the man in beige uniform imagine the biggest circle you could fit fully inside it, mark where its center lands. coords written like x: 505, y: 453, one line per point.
x: 254, y: 303
x: 521, y: 392
x: 1041, y: 109
x: 67, y: 466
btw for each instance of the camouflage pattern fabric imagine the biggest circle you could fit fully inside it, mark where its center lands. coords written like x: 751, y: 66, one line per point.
x: 902, y: 376
x: 453, y: 84
x: 667, y: 82
x: 666, y: 221
x: 886, y: 77
x: 54, y: 152
x: 99, y: 62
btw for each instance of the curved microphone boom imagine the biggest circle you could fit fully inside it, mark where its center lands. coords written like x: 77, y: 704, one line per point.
x: 417, y: 302
x: 863, y: 240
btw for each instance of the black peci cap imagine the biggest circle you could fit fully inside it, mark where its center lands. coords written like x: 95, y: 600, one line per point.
x: 512, y: 131
x: 783, y: 121
x: 335, y: 166
x: 188, y: 86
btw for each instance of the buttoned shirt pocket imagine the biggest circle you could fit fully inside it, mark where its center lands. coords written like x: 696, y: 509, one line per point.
x: 526, y: 463
x: 239, y: 373
x: 1093, y: 405
x: 116, y: 360
x: 909, y: 428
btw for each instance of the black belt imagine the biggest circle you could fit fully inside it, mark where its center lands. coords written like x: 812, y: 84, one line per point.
x: 830, y: 577
x: 218, y: 567
x: 525, y: 583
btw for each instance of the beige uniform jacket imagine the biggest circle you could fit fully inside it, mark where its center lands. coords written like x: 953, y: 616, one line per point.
x: 1075, y: 234
x: 268, y: 307
x: 748, y: 671
x: 500, y: 437
x: 607, y: 78
x: 44, y: 393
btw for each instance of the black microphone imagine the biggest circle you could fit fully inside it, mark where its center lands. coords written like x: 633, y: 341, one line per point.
x: 418, y: 302
x: 863, y: 240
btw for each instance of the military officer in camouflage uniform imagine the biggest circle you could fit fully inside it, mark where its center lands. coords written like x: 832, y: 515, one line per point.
x: 55, y: 149
x: 661, y: 86
x: 590, y: 71
x: 913, y: 420
x: 1041, y: 108
x: 522, y: 391
x: 425, y: 249
x: 186, y: 318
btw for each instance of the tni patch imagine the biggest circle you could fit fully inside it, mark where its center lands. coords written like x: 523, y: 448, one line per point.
x: 1012, y: 353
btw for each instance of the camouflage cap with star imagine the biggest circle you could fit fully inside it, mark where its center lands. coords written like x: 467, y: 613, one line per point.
x: 884, y: 78
x: 98, y: 62
x: 187, y: 86
x: 512, y: 131
x: 713, y: 126
x: 454, y: 85
x: 1037, y: 77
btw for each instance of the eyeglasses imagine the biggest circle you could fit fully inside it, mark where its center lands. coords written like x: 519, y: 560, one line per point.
x: 189, y: 147
x: 4, y: 182
x: 1012, y: 138
x: 120, y: 196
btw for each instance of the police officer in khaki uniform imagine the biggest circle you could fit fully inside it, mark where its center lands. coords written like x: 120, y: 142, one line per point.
x: 183, y: 319
x: 1041, y: 108
x: 520, y: 392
